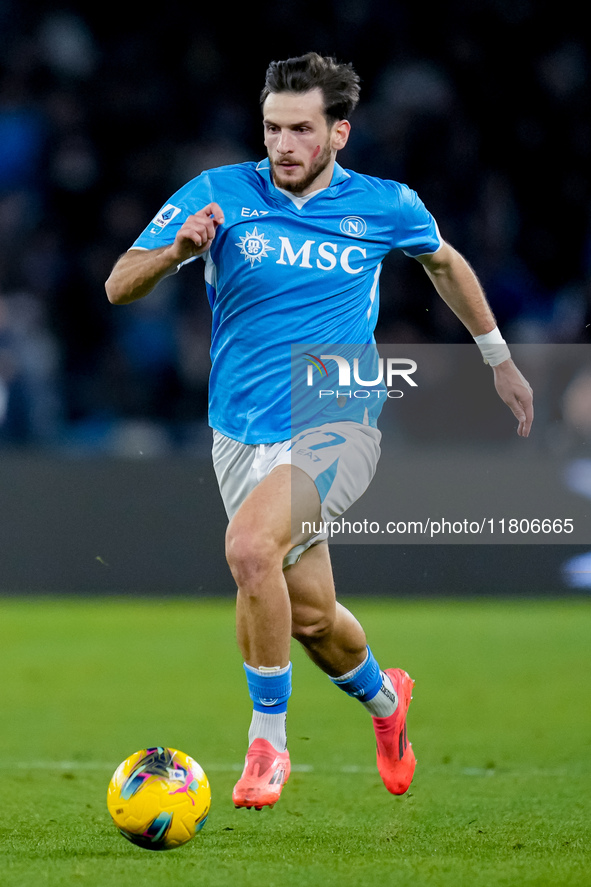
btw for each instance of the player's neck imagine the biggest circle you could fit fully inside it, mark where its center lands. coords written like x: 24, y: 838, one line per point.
x: 299, y: 200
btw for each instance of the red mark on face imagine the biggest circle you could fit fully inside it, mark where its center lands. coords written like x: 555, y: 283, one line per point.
x: 316, y: 152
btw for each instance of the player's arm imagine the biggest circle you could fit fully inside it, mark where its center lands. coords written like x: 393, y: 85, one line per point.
x: 458, y: 286
x: 138, y: 271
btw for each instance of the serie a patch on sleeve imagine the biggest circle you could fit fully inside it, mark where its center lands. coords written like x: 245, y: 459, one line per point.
x: 166, y: 215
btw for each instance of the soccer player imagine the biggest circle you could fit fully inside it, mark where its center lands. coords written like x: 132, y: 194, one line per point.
x: 293, y: 248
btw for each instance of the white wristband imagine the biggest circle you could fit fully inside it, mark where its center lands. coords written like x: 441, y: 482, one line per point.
x: 493, y: 347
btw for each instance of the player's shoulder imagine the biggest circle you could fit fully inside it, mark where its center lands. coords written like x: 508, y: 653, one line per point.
x: 244, y: 168
x: 245, y: 171
x: 222, y: 182
x: 388, y: 189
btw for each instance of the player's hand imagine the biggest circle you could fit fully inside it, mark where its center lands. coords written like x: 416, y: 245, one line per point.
x: 196, y: 234
x: 514, y: 389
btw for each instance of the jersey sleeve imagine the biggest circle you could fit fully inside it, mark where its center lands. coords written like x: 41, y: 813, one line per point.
x: 184, y: 203
x: 415, y: 230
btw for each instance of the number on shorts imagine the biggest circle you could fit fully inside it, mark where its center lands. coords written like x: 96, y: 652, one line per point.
x: 333, y: 439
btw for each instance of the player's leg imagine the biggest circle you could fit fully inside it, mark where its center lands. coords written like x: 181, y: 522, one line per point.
x: 336, y: 642
x: 330, y: 634
x: 330, y: 467
x: 258, y: 538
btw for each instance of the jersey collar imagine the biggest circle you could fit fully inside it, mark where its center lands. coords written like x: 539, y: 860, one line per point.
x: 339, y: 176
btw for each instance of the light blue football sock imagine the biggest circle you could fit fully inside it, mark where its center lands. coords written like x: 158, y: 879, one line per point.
x: 269, y: 689
x: 371, y: 686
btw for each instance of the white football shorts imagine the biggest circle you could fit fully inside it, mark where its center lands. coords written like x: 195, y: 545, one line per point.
x: 340, y: 457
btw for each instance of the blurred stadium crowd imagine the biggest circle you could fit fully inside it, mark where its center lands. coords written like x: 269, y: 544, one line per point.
x: 481, y: 108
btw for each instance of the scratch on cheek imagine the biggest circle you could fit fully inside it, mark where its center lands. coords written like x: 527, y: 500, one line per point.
x: 316, y: 152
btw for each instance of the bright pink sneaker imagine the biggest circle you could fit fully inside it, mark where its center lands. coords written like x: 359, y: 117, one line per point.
x: 395, y: 757
x: 265, y: 773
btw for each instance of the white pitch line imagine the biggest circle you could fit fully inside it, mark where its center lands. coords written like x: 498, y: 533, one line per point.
x: 103, y: 765
x: 296, y: 768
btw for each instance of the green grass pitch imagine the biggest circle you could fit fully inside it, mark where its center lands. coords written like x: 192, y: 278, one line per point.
x: 500, y: 723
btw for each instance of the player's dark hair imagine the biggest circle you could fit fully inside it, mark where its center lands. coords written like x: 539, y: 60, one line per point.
x: 339, y: 82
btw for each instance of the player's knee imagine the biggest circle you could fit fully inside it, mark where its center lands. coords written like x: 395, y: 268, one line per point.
x: 250, y: 556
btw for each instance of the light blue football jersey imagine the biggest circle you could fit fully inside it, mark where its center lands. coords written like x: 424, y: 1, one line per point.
x: 282, y: 272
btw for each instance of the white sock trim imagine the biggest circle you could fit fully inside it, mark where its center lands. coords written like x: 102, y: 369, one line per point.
x: 350, y: 674
x: 275, y: 670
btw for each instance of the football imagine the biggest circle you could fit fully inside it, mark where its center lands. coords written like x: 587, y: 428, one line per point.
x: 159, y: 798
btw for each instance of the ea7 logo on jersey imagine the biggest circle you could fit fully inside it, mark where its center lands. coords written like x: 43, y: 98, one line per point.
x: 252, y: 213
x: 165, y: 216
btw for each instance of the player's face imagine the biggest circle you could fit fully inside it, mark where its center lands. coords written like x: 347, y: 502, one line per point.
x: 300, y: 143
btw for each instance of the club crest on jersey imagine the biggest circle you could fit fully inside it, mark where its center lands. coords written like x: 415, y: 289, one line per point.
x: 165, y: 216
x: 254, y: 246
x: 354, y: 226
